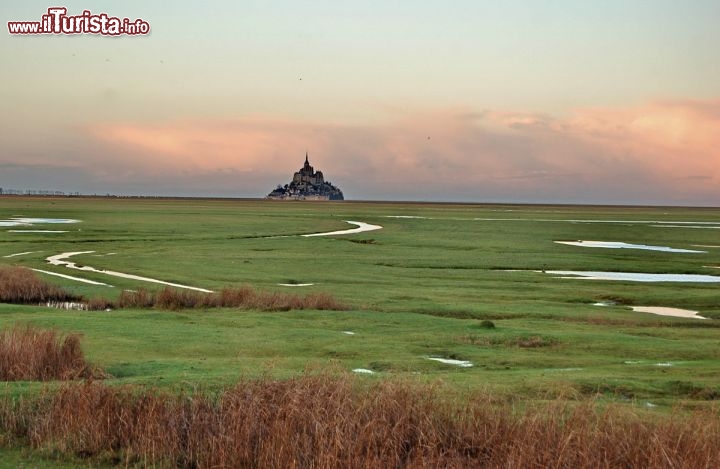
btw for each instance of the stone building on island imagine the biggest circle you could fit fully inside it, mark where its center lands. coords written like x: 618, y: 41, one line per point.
x: 307, y: 184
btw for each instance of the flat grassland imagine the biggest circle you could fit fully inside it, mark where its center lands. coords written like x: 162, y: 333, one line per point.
x: 418, y: 288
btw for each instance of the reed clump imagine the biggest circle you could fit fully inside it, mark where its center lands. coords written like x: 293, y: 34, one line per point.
x: 331, y: 421
x: 244, y: 297
x: 31, y: 354
x: 20, y: 285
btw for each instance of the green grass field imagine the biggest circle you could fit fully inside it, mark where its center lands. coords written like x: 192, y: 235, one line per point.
x: 418, y: 288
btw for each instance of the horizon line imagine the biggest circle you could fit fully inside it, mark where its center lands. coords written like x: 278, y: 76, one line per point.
x: 388, y: 201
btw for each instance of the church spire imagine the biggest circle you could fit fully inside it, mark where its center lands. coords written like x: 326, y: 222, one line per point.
x: 306, y: 158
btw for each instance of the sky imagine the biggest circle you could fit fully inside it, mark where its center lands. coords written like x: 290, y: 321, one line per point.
x: 565, y: 101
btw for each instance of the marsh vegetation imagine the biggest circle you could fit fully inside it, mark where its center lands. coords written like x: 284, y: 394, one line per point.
x: 553, y: 377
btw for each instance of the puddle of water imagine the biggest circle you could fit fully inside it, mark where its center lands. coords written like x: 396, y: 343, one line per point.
x: 605, y: 303
x: 674, y: 312
x: 348, y: 332
x: 20, y: 221
x: 407, y: 216
x: 620, y: 245
x: 627, y: 222
x: 363, y: 371
x: 664, y: 364
x: 69, y: 305
x: 36, y: 231
x: 361, y: 227
x: 649, y: 222
x: 449, y: 361
x: 688, y: 226
x: 635, y: 277
x: 43, y: 220
x: 296, y: 284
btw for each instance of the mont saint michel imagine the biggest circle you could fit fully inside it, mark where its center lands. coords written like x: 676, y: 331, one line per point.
x: 307, y: 184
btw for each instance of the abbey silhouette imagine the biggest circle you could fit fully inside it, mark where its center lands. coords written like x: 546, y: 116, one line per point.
x: 307, y: 184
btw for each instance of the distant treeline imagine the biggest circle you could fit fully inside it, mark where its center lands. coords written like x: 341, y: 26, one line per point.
x: 47, y: 193
x: 36, y: 192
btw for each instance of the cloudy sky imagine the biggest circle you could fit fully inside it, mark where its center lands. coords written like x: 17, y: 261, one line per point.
x: 579, y: 101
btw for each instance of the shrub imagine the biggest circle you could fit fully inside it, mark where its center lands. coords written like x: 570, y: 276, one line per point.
x: 487, y: 324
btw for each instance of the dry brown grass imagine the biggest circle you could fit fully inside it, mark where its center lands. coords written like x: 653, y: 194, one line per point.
x: 98, y: 304
x: 22, y: 286
x: 28, y: 353
x: 329, y: 422
x: 19, y: 285
x: 244, y: 297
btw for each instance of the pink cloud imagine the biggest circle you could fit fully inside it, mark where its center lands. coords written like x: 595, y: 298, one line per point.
x: 674, y: 139
x: 667, y: 152
x: 202, y: 145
